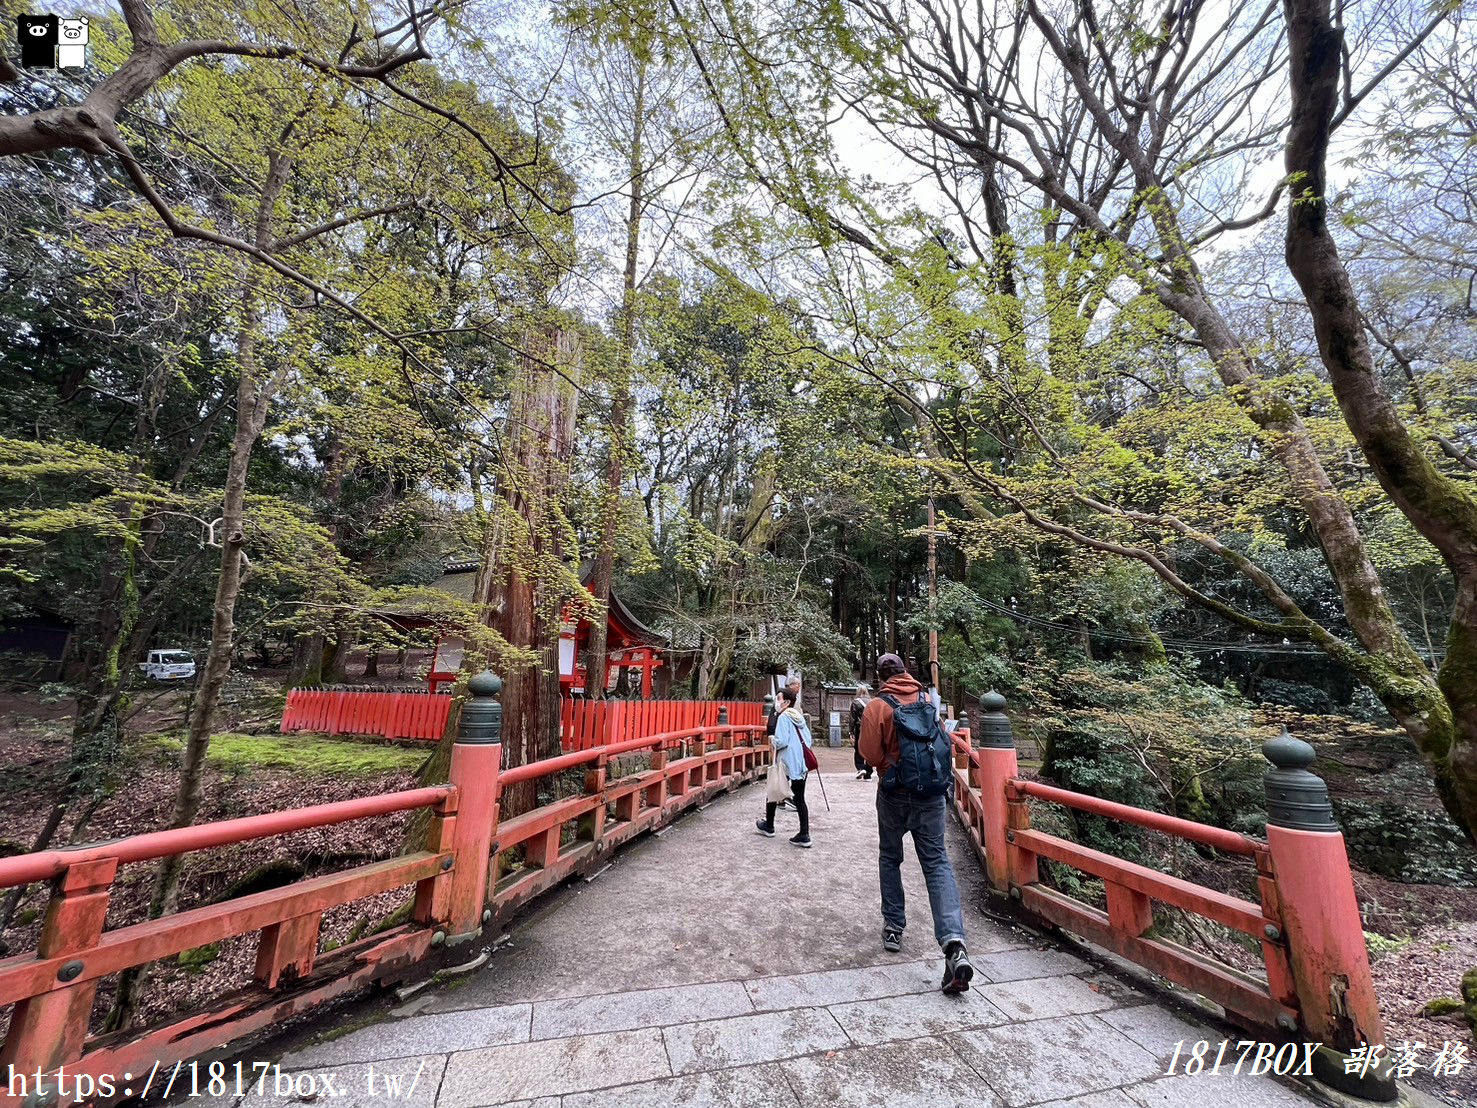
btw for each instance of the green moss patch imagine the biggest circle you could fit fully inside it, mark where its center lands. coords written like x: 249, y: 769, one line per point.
x: 198, y: 957
x: 1441, y: 1006
x: 308, y: 755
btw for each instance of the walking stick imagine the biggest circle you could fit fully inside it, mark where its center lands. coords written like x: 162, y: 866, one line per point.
x: 822, y: 780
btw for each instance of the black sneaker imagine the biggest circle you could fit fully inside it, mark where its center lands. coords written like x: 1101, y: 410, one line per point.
x: 892, y: 941
x: 862, y: 775
x: 957, y: 969
x: 763, y: 828
x: 801, y: 840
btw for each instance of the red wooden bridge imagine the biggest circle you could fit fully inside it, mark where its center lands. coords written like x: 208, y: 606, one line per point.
x: 475, y: 870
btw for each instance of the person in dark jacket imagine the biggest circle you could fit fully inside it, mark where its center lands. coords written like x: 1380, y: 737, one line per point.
x: 858, y: 706
x: 899, y: 813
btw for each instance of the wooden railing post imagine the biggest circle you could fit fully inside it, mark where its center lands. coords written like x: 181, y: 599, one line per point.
x: 286, y: 950
x: 50, y: 1030
x: 656, y: 793
x: 592, y: 823
x: 728, y: 765
x: 697, y: 776
x: 433, y: 894
x: 997, y: 765
x: 475, y: 758
x: 1129, y: 910
x: 1320, y: 913
x: 1022, y: 866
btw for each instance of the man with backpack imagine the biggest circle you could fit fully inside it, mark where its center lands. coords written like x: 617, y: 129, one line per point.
x: 902, y: 739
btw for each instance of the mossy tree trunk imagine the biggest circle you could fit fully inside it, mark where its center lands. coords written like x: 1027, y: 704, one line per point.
x: 1441, y: 715
x: 255, y: 390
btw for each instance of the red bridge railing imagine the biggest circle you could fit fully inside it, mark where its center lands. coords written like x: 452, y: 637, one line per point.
x: 473, y: 869
x: 476, y: 867
x: 415, y: 714
x: 1306, y: 917
x: 53, y: 987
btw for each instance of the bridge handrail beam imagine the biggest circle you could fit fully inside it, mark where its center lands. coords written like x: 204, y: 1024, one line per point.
x: 1231, y: 842
x: 533, y: 771
x: 44, y: 865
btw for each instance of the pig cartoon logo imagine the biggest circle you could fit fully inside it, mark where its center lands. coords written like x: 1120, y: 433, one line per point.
x: 38, y: 36
x: 71, y: 50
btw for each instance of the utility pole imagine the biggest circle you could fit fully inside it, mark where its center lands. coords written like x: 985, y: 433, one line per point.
x: 933, y: 592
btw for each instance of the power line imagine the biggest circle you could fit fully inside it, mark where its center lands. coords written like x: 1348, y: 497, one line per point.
x: 1190, y: 646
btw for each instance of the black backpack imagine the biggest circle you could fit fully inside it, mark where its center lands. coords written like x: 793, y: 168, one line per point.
x: 925, y: 764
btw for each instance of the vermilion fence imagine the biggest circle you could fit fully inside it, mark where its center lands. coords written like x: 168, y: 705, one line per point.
x: 586, y: 724
x: 393, y: 714
x: 583, y: 724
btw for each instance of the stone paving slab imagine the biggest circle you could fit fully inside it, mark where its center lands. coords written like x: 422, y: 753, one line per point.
x: 440, y: 1033
x: 746, y: 1087
x: 644, y: 1008
x: 742, y: 1040
x: 1045, y: 997
x: 892, y: 1018
x: 1014, y: 965
x: 1026, y: 1063
x: 922, y: 1073
x: 1155, y: 1029
x: 552, y: 1067
x: 1221, y: 1090
x: 1109, y: 1098
x: 813, y: 990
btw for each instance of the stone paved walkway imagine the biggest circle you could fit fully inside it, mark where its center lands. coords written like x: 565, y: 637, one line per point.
x: 712, y: 966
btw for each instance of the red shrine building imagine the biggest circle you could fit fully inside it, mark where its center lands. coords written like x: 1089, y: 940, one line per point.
x: 637, y: 655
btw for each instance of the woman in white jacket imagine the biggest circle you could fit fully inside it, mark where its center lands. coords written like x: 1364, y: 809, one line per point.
x: 787, y: 773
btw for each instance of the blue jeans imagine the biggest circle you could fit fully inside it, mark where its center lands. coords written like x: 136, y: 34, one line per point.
x: 899, y: 813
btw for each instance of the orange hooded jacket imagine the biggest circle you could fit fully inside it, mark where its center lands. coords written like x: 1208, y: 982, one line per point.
x: 878, y: 743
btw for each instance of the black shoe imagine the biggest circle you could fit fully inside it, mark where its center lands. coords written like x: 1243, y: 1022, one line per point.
x: 763, y: 828
x: 957, y: 969
x: 862, y: 775
x: 892, y: 941
x: 801, y: 840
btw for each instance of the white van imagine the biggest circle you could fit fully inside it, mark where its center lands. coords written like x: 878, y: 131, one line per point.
x: 169, y: 664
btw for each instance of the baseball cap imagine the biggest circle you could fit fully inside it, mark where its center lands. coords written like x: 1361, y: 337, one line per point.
x: 890, y: 661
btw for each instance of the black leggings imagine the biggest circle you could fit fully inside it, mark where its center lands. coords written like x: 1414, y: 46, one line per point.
x: 797, y: 790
